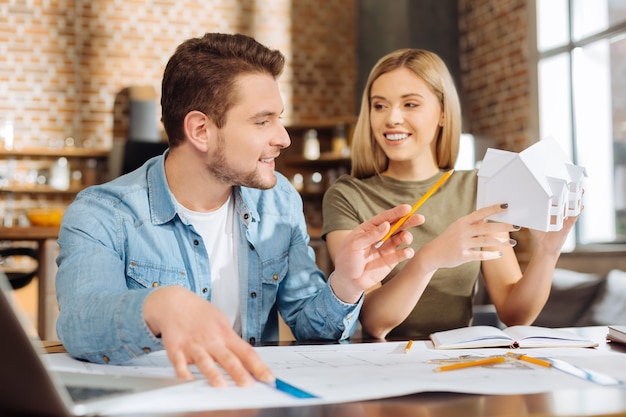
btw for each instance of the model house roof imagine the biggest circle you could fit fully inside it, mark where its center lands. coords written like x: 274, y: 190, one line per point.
x: 540, y: 184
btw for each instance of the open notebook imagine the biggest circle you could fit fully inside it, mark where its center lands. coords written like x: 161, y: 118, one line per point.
x: 512, y: 337
x: 29, y: 388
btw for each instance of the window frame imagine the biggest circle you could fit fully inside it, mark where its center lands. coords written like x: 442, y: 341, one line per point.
x: 535, y: 56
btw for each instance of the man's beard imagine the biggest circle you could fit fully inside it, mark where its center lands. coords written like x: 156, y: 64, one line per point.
x: 219, y: 168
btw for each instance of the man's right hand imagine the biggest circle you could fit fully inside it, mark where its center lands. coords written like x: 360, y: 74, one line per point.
x: 196, y: 332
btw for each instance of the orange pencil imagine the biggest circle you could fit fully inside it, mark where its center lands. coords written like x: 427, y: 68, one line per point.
x: 417, y: 205
x: 477, y: 362
x: 530, y: 359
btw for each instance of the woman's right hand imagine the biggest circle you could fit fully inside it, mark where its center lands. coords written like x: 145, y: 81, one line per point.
x: 470, y: 238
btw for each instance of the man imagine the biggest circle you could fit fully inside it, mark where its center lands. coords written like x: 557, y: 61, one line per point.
x: 198, y: 250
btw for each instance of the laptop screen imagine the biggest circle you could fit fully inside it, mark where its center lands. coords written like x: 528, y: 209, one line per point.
x: 27, y: 387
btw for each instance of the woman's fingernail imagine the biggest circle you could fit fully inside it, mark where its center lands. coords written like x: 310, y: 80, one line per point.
x: 512, y: 242
x: 504, y: 205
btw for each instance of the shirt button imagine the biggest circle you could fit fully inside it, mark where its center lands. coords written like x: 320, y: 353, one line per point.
x: 155, y: 284
x: 251, y: 246
x: 196, y: 242
x: 147, y: 350
x: 253, y: 294
x: 205, y: 290
x: 106, y: 359
x: 252, y: 340
x: 275, y: 276
x: 246, y: 216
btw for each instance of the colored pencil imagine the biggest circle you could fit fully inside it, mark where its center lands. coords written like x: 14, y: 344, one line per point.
x: 477, y: 362
x: 417, y: 205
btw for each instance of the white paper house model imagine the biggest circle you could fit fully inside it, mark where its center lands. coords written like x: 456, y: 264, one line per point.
x: 540, y: 184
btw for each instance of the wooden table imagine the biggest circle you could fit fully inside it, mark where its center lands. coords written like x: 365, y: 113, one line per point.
x: 595, y: 401
x: 40, y: 235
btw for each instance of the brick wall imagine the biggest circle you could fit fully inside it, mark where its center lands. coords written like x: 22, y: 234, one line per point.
x: 66, y: 65
x: 495, y: 72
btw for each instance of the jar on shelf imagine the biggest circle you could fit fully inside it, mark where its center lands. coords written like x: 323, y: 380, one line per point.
x: 311, y: 145
x: 340, y: 141
x: 60, y: 174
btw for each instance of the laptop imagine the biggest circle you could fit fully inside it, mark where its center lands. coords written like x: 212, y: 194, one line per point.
x: 29, y: 388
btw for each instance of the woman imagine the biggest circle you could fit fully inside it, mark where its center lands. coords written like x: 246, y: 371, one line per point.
x: 406, y: 137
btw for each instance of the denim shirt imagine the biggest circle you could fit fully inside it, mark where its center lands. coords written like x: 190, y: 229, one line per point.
x: 121, y: 240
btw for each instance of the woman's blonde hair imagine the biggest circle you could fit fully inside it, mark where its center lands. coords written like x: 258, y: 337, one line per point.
x: 368, y: 157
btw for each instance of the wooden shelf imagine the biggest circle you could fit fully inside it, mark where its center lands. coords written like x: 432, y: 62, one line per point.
x: 330, y: 122
x: 315, y: 232
x: 21, y: 190
x: 57, y: 152
x: 29, y: 233
x: 326, y: 160
x: 39, y: 189
x: 308, y: 195
x: 329, y: 164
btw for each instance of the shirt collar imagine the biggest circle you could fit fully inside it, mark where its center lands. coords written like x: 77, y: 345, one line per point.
x: 161, y: 199
x: 163, y: 204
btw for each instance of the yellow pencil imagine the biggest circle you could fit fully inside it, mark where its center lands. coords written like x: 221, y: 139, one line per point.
x: 408, y: 346
x: 530, y: 359
x: 417, y: 205
x: 477, y: 362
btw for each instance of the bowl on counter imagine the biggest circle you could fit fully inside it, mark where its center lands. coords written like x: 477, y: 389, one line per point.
x: 50, y: 217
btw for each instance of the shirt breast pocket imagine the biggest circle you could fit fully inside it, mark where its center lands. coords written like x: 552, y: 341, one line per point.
x: 273, y: 272
x: 144, y: 275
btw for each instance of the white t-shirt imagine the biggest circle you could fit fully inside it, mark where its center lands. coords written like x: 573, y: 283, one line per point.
x: 218, y: 231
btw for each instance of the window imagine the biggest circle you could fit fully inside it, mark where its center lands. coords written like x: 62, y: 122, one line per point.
x: 581, y: 80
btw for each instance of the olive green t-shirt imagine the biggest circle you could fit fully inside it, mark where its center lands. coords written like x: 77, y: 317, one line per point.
x: 447, y: 300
